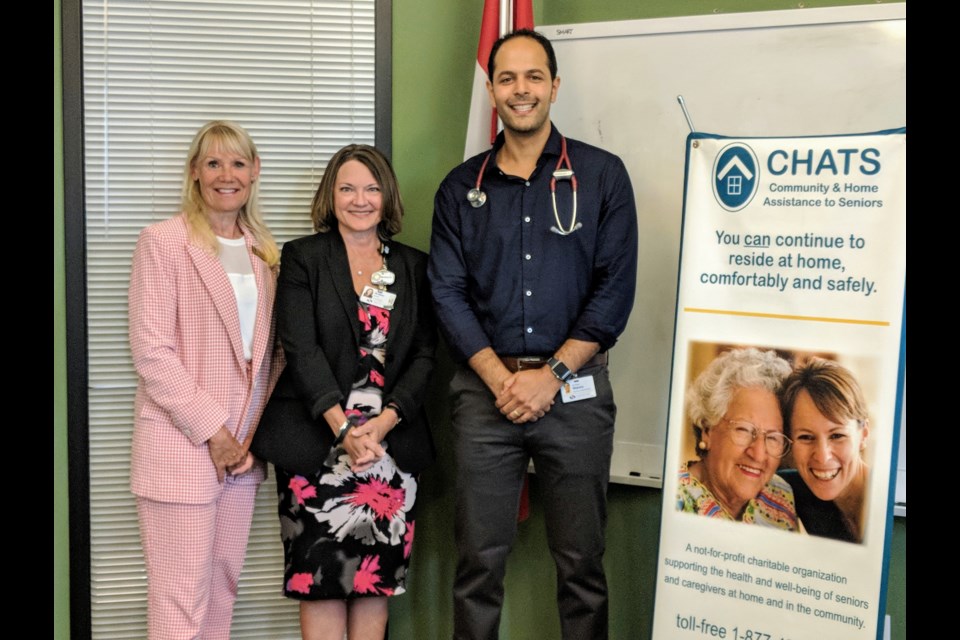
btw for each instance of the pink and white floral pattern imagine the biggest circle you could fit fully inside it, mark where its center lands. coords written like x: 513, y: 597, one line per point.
x: 346, y: 534
x: 375, y: 510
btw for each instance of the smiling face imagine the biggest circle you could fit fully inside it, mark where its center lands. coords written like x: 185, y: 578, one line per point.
x: 522, y: 89
x: 224, y: 178
x: 826, y: 453
x: 357, y: 199
x: 736, y: 474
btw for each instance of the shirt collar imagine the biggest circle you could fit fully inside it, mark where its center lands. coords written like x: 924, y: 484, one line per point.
x: 551, y: 148
x: 554, y: 143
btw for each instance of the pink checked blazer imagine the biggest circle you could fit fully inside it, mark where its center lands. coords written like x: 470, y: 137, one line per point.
x: 188, y: 353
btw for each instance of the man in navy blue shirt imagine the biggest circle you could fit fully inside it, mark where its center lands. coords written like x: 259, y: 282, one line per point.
x: 533, y: 264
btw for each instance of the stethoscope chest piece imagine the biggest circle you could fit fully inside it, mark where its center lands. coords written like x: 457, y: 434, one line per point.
x: 476, y: 198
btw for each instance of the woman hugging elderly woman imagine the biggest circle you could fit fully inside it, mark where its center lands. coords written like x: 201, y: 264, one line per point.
x: 748, y: 409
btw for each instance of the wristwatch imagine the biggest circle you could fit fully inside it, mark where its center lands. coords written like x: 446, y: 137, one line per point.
x: 396, y: 410
x: 342, y: 432
x: 559, y: 370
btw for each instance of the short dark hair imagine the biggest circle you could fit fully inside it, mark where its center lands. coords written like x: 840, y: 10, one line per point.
x: 833, y: 389
x: 524, y: 33
x: 322, y: 209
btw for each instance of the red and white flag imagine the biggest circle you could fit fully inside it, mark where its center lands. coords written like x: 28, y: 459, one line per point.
x: 482, y: 125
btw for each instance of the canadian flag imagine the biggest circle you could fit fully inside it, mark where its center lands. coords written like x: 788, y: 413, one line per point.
x: 482, y: 125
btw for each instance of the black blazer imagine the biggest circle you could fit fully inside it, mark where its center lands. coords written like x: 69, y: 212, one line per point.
x: 317, y: 326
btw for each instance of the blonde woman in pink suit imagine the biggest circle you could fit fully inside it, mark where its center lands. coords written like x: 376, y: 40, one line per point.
x: 202, y: 339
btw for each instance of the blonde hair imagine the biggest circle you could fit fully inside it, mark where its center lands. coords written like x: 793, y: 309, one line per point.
x: 232, y: 138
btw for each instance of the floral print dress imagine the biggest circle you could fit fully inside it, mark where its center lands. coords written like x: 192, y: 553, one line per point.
x: 348, y: 535
x: 773, y: 507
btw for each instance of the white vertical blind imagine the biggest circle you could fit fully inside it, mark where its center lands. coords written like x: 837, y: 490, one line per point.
x: 299, y: 76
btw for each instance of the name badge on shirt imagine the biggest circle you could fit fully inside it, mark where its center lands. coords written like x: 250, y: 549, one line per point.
x: 378, y: 298
x: 579, y: 388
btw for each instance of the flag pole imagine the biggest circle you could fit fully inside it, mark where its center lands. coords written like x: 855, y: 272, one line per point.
x: 506, y: 17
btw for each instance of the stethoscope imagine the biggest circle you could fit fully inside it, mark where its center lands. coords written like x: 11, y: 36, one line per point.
x: 477, y: 198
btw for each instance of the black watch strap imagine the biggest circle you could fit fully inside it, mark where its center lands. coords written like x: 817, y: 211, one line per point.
x: 559, y: 370
x: 396, y: 410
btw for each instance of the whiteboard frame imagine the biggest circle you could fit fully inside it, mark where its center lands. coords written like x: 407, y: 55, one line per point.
x: 726, y: 22
x: 707, y: 23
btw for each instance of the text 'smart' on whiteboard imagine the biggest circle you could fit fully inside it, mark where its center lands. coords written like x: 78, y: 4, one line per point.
x: 777, y: 73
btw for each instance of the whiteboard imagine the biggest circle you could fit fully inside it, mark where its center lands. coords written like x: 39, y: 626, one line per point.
x: 775, y: 73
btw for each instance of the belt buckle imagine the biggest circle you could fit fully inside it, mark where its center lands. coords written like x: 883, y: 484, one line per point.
x: 529, y: 362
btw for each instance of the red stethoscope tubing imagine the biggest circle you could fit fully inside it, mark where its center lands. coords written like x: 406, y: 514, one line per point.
x: 564, y: 159
x: 476, y: 197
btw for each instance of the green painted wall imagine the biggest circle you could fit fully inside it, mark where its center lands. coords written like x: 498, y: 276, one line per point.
x: 434, y: 49
x: 61, y: 531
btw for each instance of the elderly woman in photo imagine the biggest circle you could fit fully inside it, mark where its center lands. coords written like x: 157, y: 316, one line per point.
x: 826, y: 416
x: 736, y: 419
x: 202, y: 339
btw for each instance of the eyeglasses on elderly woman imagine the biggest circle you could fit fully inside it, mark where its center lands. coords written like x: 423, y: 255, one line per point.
x: 743, y: 434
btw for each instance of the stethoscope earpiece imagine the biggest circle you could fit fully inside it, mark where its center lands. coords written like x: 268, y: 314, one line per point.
x: 566, y: 232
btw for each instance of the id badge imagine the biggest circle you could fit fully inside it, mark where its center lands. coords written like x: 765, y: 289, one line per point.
x: 579, y: 388
x: 378, y: 298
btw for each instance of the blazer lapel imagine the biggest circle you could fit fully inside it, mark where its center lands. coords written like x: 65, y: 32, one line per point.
x: 403, y: 316
x: 266, y: 292
x: 338, y: 267
x: 215, y: 280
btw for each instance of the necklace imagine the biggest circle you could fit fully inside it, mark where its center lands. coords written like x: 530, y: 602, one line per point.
x: 360, y: 268
x: 382, y: 277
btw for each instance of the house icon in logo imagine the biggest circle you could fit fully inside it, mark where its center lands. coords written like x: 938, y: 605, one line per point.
x: 735, y: 176
x: 735, y: 180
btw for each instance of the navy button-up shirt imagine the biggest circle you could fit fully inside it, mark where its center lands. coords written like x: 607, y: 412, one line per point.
x: 501, y: 278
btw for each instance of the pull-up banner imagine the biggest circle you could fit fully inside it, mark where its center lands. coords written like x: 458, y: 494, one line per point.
x: 787, y: 374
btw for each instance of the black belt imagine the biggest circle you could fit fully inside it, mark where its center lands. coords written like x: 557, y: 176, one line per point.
x: 521, y: 363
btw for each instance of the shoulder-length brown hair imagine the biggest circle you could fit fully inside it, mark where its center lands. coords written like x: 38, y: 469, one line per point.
x: 833, y: 389
x: 322, y: 210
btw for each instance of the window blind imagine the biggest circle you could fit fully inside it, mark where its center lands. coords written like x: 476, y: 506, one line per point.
x: 299, y: 76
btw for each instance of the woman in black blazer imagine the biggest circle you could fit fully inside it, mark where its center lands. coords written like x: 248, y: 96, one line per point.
x: 345, y: 427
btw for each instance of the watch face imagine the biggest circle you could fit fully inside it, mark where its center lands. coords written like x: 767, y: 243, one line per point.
x: 559, y: 369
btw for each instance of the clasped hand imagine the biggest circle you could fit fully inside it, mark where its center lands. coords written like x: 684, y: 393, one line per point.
x: 526, y: 396
x: 362, y: 443
x: 228, y: 455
